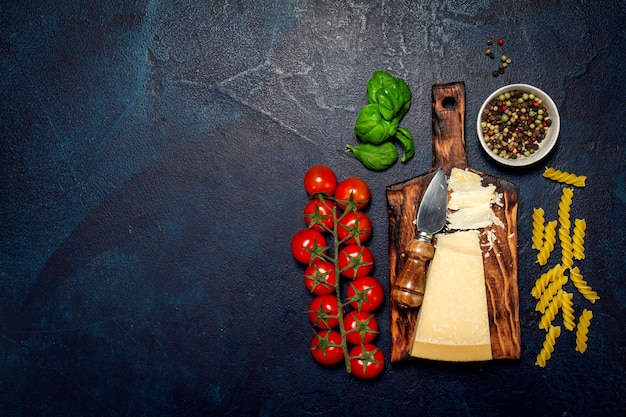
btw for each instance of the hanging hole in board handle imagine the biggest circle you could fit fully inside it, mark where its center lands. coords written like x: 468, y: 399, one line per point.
x: 449, y: 103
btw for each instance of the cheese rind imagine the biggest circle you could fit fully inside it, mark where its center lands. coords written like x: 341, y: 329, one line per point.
x: 453, y: 323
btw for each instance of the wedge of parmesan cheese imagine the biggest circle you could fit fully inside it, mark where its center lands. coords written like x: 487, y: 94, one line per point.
x: 453, y: 322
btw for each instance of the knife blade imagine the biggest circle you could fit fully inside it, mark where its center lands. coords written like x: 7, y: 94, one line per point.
x: 408, y: 288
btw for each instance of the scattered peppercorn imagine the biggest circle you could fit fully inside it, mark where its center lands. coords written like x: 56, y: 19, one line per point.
x: 504, y: 59
x: 514, y: 123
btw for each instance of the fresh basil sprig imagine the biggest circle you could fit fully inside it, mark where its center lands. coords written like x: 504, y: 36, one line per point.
x: 376, y: 126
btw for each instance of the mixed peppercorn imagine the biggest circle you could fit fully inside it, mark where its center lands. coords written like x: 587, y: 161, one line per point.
x: 514, y: 123
x: 504, y: 59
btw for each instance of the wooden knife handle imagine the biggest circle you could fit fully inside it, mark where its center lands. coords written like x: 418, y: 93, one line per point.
x: 408, y: 289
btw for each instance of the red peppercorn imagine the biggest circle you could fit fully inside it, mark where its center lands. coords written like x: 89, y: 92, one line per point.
x: 500, y: 41
x: 503, y: 107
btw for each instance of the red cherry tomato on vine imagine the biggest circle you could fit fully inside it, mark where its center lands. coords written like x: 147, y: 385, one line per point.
x: 307, y: 246
x: 318, y: 215
x: 361, y: 327
x: 320, y: 278
x: 323, y: 311
x: 366, y: 361
x: 353, y: 224
x: 365, y: 294
x: 355, y: 261
x: 320, y: 179
x: 326, y: 347
x: 355, y: 187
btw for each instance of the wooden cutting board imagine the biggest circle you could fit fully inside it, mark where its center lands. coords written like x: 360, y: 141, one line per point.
x: 500, y: 265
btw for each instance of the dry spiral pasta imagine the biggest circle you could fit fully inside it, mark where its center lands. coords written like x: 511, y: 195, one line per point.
x: 567, y: 308
x: 545, y: 279
x: 548, y: 346
x: 550, y: 292
x: 548, y: 243
x: 582, y: 330
x: 551, y: 311
x: 581, y: 285
x: 538, y: 228
x: 564, y: 208
x: 567, y: 252
x: 578, y: 239
x: 565, y: 177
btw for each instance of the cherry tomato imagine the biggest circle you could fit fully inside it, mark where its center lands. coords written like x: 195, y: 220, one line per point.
x: 353, y: 225
x: 318, y: 215
x: 326, y: 347
x: 308, y: 245
x: 355, y: 187
x: 361, y: 327
x: 365, y: 294
x: 320, y: 179
x: 323, y: 311
x: 355, y: 261
x: 320, y: 278
x: 366, y: 361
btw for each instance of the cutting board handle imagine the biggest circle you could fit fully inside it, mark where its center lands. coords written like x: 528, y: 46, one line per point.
x: 448, y: 118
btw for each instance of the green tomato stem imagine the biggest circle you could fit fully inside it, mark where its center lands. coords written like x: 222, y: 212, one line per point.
x: 342, y: 329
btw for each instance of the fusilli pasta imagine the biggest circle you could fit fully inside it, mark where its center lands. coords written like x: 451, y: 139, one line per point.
x: 564, y: 208
x: 565, y: 177
x: 582, y: 330
x: 545, y: 279
x: 567, y: 253
x: 551, y: 311
x: 550, y: 292
x: 583, y: 288
x: 548, y: 346
x: 578, y: 239
x: 567, y: 308
x: 548, y: 243
x: 538, y: 228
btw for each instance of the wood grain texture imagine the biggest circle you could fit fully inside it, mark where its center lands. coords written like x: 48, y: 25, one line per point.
x: 500, y: 259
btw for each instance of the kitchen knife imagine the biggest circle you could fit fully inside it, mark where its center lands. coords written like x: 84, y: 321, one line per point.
x: 408, y: 288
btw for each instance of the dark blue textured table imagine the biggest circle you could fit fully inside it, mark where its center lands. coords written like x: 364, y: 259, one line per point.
x: 152, y: 162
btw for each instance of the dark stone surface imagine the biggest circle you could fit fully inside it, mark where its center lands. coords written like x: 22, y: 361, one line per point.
x: 152, y: 155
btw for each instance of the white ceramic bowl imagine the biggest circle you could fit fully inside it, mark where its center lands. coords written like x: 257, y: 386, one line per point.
x: 545, y: 146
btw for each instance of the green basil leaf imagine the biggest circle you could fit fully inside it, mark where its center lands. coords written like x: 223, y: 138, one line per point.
x: 388, y: 102
x: 391, y: 93
x: 406, y: 139
x: 371, y: 127
x: 404, y: 96
x: 375, y: 157
x: 379, y: 80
